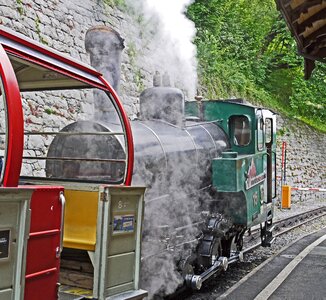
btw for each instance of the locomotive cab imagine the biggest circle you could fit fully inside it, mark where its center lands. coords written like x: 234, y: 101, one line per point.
x: 244, y: 176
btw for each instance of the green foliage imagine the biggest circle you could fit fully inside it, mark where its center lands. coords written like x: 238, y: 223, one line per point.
x: 138, y: 76
x: 245, y: 50
x: 20, y: 7
x: 121, y: 4
x: 38, y: 31
x: 49, y: 111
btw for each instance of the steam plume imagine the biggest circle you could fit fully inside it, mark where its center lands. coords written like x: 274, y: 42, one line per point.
x: 170, y: 35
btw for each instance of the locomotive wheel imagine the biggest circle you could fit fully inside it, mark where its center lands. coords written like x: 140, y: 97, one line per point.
x: 209, y: 251
x: 227, y: 246
x: 186, y: 266
x: 233, y: 244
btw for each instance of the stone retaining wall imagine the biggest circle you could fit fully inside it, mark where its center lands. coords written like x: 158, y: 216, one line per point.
x: 62, y: 24
x: 305, y: 158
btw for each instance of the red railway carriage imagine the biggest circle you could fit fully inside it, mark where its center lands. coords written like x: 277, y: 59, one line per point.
x: 33, y: 237
x: 19, y: 52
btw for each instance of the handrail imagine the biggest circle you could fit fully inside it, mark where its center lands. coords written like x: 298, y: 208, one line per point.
x: 74, y: 159
x: 71, y: 133
x: 63, y: 207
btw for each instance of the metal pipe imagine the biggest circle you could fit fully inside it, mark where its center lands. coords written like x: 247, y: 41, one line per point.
x: 204, y: 123
x: 72, y: 133
x: 74, y: 159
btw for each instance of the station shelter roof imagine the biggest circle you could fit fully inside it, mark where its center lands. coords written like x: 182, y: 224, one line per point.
x: 307, y: 22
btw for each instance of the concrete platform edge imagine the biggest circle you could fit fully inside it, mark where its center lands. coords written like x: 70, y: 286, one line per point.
x: 244, y: 279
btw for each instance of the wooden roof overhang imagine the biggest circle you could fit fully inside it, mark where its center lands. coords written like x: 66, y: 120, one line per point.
x: 307, y: 22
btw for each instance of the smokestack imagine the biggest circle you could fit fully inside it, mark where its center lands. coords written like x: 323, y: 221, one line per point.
x: 105, y: 46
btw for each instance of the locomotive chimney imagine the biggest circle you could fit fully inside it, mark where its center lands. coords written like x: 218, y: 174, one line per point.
x: 105, y: 46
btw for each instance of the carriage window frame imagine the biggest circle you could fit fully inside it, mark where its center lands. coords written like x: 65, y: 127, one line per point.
x: 240, y: 137
x: 56, y: 165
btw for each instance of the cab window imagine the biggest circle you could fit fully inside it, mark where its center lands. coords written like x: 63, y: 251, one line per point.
x: 269, y: 130
x: 260, y: 134
x: 240, y: 130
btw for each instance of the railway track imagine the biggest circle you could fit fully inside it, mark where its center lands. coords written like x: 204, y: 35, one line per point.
x: 283, y: 226
x: 251, y: 243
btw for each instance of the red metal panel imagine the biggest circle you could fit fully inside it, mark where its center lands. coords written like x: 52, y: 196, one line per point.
x: 43, y: 261
x: 42, y: 287
x: 15, y: 122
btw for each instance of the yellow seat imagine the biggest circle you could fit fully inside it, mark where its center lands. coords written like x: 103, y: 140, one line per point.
x: 80, y: 219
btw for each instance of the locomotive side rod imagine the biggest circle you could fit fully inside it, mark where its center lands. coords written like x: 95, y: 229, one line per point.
x: 196, y: 281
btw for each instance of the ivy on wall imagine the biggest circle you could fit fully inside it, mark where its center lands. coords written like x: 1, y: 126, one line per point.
x: 245, y: 50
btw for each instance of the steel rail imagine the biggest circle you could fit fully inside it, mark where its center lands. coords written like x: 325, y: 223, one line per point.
x: 319, y: 211
x: 291, y: 219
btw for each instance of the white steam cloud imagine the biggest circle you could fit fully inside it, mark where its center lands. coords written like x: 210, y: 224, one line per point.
x: 169, y: 38
x: 180, y: 30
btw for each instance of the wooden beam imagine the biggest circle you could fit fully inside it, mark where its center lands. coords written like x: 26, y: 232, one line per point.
x: 315, y: 37
x: 307, y: 22
x: 301, y: 27
x: 309, y: 66
x: 311, y: 12
x: 76, y: 279
x: 302, y: 9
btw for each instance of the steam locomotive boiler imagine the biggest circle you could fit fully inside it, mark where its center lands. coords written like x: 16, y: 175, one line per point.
x: 209, y: 169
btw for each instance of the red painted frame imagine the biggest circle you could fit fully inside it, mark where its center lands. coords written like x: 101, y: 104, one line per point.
x: 46, y: 50
x: 106, y: 86
x: 15, y: 122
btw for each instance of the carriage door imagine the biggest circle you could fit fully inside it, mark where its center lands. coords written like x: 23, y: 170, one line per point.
x: 11, y: 124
